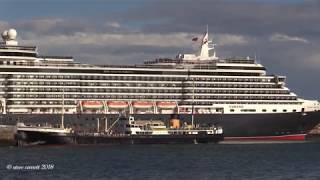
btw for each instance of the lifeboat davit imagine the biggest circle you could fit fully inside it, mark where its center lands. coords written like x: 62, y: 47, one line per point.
x: 166, y: 105
x: 92, y: 104
x: 142, y: 104
x: 117, y: 104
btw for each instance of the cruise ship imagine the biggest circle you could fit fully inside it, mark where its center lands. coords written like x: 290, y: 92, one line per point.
x: 202, y: 88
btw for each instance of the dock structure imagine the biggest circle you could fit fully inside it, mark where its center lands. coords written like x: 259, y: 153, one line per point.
x: 7, y: 133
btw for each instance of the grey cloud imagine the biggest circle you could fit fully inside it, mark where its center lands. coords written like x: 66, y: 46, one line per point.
x: 277, y: 37
x: 54, y: 26
x: 232, y: 39
x: 4, y: 25
x: 252, y: 19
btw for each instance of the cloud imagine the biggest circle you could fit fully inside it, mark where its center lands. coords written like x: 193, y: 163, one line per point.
x: 39, y: 25
x: 277, y: 37
x: 55, y: 26
x: 111, y: 39
x: 231, y: 39
x: 112, y: 24
x: 4, y: 25
x: 122, y: 59
x: 313, y: 61
x: 119, y: 48
x: 231, y: 17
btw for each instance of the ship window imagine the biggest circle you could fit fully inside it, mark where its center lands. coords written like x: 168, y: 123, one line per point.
x: 274, y: 110
x: 284, y: 110
x: 294, y: 110
x: 231, y: 110
x: 248, y: 110
x: 264, y: 110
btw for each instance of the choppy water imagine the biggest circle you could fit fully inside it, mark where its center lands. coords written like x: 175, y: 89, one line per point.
x: 222, y: 161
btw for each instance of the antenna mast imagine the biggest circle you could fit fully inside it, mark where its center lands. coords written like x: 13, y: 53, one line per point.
x: 62, y: 113
x: 192, y: 115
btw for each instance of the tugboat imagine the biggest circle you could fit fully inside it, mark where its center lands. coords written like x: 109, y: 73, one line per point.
x: 42, y: 135
x: 123, y: 131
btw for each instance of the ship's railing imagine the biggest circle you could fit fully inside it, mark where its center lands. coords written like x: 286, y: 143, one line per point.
x: 50, y: 64
x: 28, y: 48
x: 237, y: 61
x: 165, y: 60
x: 101, y: 134
x: 214, y: 130
x: 56, y: 57
x: 67, y: 61
x: 163, y: 66
x: 71, y: 64
x: 179, y: 61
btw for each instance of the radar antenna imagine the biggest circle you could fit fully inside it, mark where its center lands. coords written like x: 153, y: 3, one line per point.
x: 10, y: 37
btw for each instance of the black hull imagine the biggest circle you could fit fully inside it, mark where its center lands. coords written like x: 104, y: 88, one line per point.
x: 234, y: 125
x: 27, y: 138
x: 155, y: 139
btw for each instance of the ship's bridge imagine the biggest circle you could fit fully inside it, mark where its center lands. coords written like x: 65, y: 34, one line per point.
x: 13, y: 54
x: 9, y: 48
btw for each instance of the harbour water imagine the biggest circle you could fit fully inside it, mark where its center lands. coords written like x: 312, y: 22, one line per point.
x: 201, y: 161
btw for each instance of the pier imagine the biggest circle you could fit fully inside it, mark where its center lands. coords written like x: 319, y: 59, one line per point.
x: 7, y: 133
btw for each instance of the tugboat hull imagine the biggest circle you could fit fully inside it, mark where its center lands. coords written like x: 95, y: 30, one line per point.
x: 38, y: 138
x: 158, y: 139
x: 26, y: 138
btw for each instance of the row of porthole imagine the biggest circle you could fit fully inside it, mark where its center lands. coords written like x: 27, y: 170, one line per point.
x: 263, y: 110
x: 77, y: 77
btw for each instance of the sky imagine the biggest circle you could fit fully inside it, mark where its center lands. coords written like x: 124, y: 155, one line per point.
x: 284, y: 35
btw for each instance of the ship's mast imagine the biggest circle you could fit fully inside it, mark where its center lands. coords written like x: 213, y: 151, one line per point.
x: 206, y: 46
x: 62, y: 112
x: 192, y: 113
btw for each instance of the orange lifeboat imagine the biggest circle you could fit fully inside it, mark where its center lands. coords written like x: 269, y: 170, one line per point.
x: 117, y: 104
x: 166, y: 105
x: 142, y: 104
x: 92, y: 104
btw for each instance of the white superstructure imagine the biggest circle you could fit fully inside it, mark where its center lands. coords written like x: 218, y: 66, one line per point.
x: 30, y: 83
